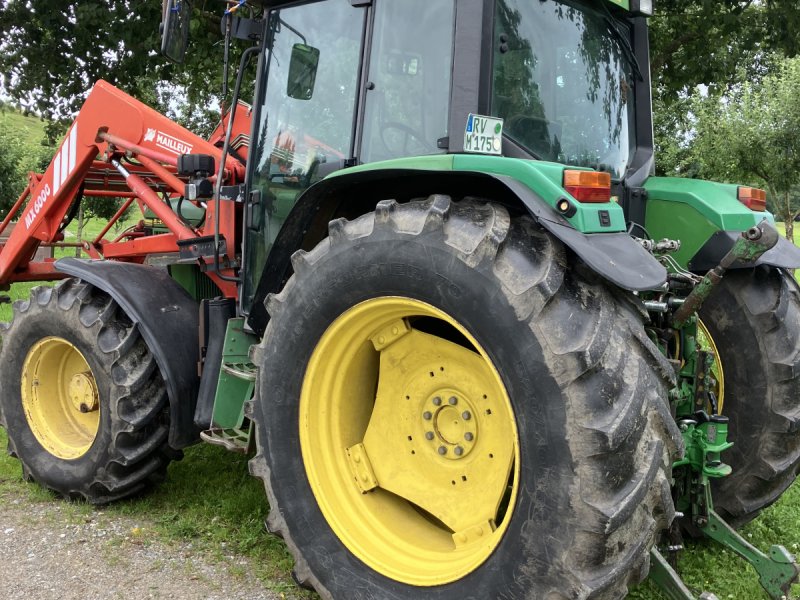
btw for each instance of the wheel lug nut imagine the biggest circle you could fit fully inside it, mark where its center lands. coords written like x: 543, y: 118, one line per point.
x: 459, y: 451
x: 468, y: 436
x: 466, y: 416
x: 428, y: 435
x: 442, y: 450
x: 427, y: 415
x: 437, y: 401
x: 453, y: 400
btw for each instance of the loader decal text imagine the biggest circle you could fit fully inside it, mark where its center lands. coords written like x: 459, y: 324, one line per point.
x: 63, y: 166
x: 167, y: 142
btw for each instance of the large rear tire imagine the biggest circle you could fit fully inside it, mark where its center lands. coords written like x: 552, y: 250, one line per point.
x: 754, y: 319
x: 446, y: 408
x: 82, y: 399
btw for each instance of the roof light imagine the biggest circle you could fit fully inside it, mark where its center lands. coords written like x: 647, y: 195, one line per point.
x: 753, y: 198
x: 642, y: 7
x: 588, y: 186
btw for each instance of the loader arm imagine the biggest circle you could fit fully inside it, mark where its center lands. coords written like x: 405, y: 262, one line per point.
x: 117, y: 147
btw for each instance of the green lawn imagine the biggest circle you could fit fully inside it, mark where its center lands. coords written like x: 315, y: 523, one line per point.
x: 27, y: 128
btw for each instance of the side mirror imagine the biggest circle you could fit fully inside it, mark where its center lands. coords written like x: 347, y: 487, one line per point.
x: 302, y: 72
x: 175, y: 29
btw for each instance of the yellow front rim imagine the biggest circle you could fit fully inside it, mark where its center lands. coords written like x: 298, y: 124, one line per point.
x: 60, y: 398
x: 706, y: 342
x: 409, y: 441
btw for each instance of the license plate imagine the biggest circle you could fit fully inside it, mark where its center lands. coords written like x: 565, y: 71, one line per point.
x: 483, y: 135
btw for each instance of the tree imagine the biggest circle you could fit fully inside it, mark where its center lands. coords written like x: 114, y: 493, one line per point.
x: 706, y: 42
x: 751, y: 136
x: 52, y: 52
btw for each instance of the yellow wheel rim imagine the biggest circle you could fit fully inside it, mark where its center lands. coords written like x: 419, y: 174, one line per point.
x: 706, y: 342
x: 409, y: 441
x: 60, y: 398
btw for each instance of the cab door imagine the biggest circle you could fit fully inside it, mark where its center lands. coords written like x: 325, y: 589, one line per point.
x: 304, y: 128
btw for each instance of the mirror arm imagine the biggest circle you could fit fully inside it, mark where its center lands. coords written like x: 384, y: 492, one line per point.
x: 293, y: 30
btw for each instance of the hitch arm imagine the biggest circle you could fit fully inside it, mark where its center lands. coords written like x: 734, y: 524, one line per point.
x: 776, y: 572
x: 669, y: 583
x: 748, y: 248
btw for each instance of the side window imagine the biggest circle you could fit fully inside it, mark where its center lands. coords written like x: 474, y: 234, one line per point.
x: 410, y: 69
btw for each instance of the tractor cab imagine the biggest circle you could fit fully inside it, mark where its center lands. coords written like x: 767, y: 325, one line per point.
x: 343, y: 84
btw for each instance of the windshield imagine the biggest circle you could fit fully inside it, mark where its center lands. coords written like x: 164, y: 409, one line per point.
x: 563, y: 82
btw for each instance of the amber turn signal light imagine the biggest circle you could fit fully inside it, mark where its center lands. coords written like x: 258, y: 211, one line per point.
x: 753, y: 198
x: 588, y: 186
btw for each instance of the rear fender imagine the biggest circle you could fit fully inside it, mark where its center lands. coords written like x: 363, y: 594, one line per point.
x: 707, y: 218
x: 614, y: 256
x: 167, y: 318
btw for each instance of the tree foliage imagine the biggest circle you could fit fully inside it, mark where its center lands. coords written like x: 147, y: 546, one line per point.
x: 708, y: 42
x: 19, y: 154
x: 54, y: 51
x: 749, y: 135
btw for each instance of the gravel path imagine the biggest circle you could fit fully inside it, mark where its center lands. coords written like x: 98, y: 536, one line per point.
x: 49, y: 553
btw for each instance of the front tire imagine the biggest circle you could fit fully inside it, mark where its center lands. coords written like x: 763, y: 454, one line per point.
x: 563, y: 391
x: 82, y: 399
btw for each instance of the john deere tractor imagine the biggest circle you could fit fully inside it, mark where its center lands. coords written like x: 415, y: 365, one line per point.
x: 478, y: 349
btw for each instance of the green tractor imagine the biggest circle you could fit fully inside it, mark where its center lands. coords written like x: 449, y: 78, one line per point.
x: 479, y: 349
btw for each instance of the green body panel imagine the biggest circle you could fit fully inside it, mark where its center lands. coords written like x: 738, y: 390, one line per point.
x: 233, y: 391
x: 543, y: 178
x: 692, y: 210
x: 198, y: 284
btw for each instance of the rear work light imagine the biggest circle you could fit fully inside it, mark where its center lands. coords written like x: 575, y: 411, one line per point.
x: 588, y: 186
x: 753, y: 198
x: 642, y: 7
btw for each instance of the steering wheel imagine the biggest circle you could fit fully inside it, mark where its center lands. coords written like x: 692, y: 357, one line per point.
x: 409, y: 135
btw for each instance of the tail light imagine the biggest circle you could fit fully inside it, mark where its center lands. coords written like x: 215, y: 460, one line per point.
x: 588, y: 186
x: 753, y: 198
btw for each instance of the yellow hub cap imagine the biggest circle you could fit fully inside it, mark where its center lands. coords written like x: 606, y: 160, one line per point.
x: 409, y: 441
x: 60, y: 398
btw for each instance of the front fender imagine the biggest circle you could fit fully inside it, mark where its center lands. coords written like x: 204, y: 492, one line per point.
x: 168, y: 320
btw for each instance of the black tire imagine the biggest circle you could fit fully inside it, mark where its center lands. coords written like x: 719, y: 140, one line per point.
x: 754, y: 320
x: 587, y: 387
x: 130, y: 451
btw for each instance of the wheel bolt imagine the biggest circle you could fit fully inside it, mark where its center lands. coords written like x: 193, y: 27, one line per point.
x: 437, y: 401
x: 442, y: 450
x: 459, y: 451
x: 468, y: 436
x: 427, y: 415
x: 466, y: 416
x: 429, y: 435
x: 453, y: 400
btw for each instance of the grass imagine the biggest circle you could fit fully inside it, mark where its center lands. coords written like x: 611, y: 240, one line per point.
x: 27, y: 128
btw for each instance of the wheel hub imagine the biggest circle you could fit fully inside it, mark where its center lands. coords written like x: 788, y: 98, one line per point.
x: 450, y: 424
x: 422, y: 440
x: 83, y: 392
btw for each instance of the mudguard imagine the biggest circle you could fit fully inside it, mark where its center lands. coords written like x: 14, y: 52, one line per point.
x: 168, y: 319
x: 615, y: 256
